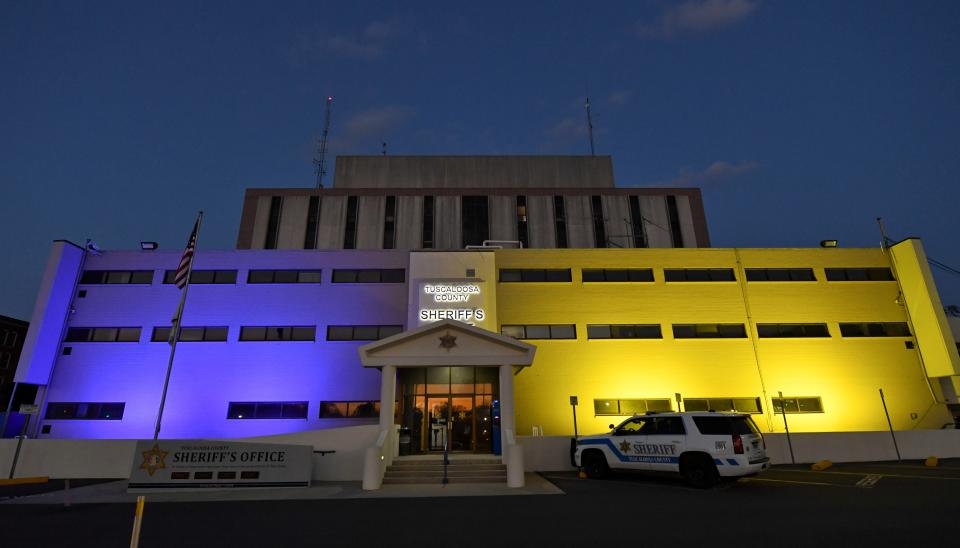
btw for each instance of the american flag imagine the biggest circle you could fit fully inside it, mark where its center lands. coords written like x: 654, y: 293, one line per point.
x: 187, y: 258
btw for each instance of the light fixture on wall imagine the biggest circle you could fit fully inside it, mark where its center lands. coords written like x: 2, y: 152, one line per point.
x: 149, y: 246
x: 828, y: 243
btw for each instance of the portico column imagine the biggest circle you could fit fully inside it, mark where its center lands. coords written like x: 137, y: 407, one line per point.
x: 512, y: 453
x: 388, y: 392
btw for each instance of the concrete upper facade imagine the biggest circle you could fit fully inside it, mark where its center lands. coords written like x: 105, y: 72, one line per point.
x: 473, y: 172
x: 450, y: 202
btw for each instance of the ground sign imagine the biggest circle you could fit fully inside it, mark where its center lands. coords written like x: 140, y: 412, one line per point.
x: 191, y: 464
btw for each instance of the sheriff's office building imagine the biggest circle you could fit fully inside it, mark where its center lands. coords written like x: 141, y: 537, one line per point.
x: 397, y: 313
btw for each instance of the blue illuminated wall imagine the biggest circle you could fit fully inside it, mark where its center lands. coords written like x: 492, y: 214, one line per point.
x: 208, y: 375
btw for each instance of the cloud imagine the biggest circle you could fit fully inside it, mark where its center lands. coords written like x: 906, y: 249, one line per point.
x: 367, y: 44
x: 368, y: 128
x: 619, y: 98
x: 697, y: 16
x: 715, y: 172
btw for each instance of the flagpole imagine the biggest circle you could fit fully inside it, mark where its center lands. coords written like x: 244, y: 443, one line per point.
x: 175, y: 328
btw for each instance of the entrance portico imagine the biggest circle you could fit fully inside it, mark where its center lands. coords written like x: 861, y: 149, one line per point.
x: 446, y: 344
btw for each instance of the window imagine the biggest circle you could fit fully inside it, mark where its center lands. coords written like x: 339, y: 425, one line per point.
x: 204, y: 276
x: 5, y: 359
x: 810, y: 404
x: 473, y: 220
x: 636, y: 223
x: 267, y: 410
x: 880, y: 329
x: 103, y: 334
x: 426, y: 233
x: 349, y: 409
x: 273, y: 222
x: 630, y: 407
x: 780, y: 275
x: 390, y: 223
x: 85, y: 411
x: 618, y: 275
x: 699, y: 275
x: 361, y: 332
x: 283, y: 277
x: 10, y: 337
x: 535, y: 275
x: 725, y: 425
x: 709, y: 331
x: 596, y: 215
x: 556, y: 331
x: 522, y: 221
x: 739, y: 405
x: 117, y: 277
x: 651, y: 331
x: 350, y: 229
x: 859, y: 274
x: 676, y: 235
x: 790, y: 330
x: 369, y: 276
x: 278, y: 333
x: 313, y: 220
x: 191, y: 334
x: 559, y: 221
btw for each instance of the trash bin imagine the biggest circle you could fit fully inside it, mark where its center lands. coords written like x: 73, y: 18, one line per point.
x: 404, y: 441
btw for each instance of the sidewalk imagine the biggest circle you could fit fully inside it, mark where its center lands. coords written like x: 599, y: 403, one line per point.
x: 116, y: 492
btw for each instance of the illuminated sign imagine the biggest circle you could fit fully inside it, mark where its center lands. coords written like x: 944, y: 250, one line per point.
x: 451, y: 300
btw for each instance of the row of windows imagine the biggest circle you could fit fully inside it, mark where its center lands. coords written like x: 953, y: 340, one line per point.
x: 694, y: 274
x: 85, y: 411
x: 752, y: 405
x: 397, y: 275
x: 368, y: 275
x: 247, y: 333
x: 298, y: 410
x: 705, y: 331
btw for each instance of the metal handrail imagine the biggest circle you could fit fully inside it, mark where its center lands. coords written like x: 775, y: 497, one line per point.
x: 446, y: 453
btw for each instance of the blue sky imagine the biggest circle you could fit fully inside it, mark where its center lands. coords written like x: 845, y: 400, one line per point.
x: 799, y: 120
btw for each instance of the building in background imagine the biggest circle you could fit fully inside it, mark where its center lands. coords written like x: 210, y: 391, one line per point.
x: 12, y: 334
x: 451, y: 202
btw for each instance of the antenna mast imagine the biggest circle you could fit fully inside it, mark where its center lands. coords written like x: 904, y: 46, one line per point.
x: 589, y: 126
x: 321, y: 159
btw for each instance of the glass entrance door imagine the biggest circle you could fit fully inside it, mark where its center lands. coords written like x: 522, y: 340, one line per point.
x: 447, y: 406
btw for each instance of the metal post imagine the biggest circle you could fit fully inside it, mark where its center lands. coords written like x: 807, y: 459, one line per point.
x: 783, y: 411
x: 574, y: 406
x: 890, y: 424
x: 16, y: 455
x: 137, y: 521
x: 6, y: 416
x: 679, y: 401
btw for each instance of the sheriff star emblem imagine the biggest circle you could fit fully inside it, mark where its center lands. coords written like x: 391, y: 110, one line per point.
x: 625, y: 446
x: 153, y: 459
x: 448, y: 341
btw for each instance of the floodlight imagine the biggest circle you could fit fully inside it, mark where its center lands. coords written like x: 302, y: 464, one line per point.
x: 828, y: 243
x: 149, y: 246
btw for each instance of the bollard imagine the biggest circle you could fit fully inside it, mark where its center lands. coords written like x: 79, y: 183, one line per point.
x: 822, y: 465
x: 137, y: 520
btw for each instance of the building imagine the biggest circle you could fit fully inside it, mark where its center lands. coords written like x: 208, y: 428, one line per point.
x: 451, y: 202
x: 12, y: 333
x: 445, y: 341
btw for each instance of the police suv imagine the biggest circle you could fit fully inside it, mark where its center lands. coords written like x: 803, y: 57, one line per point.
x: 702, y: 447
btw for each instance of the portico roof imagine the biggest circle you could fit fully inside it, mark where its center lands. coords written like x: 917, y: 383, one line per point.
x: 447, y: 342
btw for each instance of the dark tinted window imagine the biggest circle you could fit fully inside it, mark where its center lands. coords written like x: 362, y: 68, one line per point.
x: 709, y: 331
x: 699, y: 275
x: 535, y: 275
x: 618, y: 275
x: 788, y: 330
x: 780, y: 275
x: 877, y: 329
x: 858, y: 274
x: 724, y: 425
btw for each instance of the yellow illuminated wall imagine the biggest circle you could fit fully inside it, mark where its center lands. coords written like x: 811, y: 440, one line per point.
x: 846, y: 373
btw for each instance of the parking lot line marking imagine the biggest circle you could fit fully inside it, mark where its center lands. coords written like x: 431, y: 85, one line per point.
x: 791, y: 481
x: 908, y: 476
x: 869, y: 481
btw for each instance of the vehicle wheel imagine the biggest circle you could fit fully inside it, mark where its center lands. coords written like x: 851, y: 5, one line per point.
x: 700, y: 472
x: 595, y: 465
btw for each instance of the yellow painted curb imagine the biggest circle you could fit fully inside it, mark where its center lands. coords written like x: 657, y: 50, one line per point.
x: 822, y: 465
x: 23, y: 481
x: 931, y: 462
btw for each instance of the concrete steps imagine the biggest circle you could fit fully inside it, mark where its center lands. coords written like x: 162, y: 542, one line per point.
x: 461, y: 470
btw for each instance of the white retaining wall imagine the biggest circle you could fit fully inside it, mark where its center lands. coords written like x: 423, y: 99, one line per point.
x: 113, y: 458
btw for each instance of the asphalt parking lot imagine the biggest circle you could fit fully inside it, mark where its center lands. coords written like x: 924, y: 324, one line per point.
x: 883, y: 504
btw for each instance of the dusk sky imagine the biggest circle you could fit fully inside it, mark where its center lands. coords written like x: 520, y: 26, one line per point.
x: 801, y: 121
